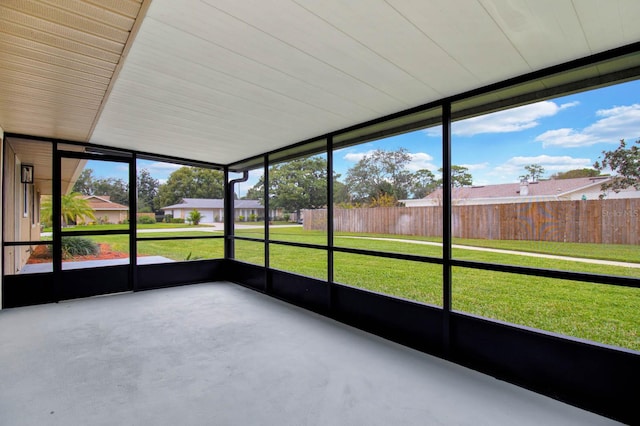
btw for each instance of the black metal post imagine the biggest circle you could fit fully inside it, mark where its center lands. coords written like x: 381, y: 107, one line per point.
x: 267, y: 275
x: 133, y: 223
x: 56, y: 222
x: 446, y: 227
x: 330, y: 222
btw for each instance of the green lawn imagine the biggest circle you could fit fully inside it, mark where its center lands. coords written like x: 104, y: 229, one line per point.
x: 602, y: 313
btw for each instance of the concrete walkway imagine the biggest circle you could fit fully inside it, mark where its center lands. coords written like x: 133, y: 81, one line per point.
x: 213, y: 227
x: 37, y: 268
x: 513, y: 252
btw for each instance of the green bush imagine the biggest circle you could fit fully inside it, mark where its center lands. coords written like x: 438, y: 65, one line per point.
x: 252, y: 217
x: 177, y: 220
x: 241, y: 218
x: 146, y: 220
x: 286, y: 217
x: 77, y: 246
x: 168, y: 218
x: 194, y: 217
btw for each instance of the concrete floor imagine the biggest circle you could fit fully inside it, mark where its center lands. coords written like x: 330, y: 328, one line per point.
x: 220, y: 354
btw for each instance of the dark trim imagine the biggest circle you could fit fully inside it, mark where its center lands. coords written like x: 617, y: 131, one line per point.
x: 133, y: 222
x: 446, y: 226
x: 551, y: 273
x: 330, y: 203
x: 201, y: 237
x: 389, y: 255
x: 171, y: 274
x: 140, y: 154
x: 96, y: 157
x: 27, y: 243
x: 56, y: 220
x: 267, y: 209
x: 595, y: 377
x: 257, y: 240
x: 89, y: 232
x: 28, y: 289
x: 77, y: 283
x: 295, y: 244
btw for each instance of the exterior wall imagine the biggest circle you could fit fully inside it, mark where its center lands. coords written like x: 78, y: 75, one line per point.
x: 21, y: 221
x: 113, y: 216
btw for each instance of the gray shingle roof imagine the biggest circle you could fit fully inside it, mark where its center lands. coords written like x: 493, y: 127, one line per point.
x: 213, y: 203
x: 540, y: 188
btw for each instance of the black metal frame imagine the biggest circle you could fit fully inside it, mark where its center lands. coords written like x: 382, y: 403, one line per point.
x: 587, y: 374
x: 516, y: 354
x: 29, y: 289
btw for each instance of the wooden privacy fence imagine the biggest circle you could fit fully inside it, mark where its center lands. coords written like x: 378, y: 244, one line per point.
x: 593, y: 221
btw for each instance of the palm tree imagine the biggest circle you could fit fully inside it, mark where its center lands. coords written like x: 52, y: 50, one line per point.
x: 74, y: 209
x: 194, y: 217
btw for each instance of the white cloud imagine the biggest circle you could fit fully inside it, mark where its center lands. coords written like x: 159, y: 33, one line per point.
x: 514, y: 167
x: 620, y: 122
x: 160, y: 166
x: 506, y: 121
x: 421, y: 160
x: 475, y: 167
x: 354, y: 157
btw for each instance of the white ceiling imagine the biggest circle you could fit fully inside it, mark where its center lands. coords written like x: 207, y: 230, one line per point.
x: 223, y: 80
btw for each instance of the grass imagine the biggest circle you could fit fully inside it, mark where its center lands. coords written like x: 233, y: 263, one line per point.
x: 601, y: 313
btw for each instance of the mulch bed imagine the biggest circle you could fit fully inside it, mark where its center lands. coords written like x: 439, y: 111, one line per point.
x: 41, y: 254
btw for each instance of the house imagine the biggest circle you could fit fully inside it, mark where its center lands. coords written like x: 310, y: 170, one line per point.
x: 105, y: 210
x: 212, y: 209
x: 586, y: 188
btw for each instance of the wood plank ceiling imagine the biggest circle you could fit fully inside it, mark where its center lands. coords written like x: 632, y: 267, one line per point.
x: 223, y: 80
x: 57, y: 60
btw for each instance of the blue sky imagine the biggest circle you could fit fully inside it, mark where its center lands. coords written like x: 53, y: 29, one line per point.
x: 560, y: 134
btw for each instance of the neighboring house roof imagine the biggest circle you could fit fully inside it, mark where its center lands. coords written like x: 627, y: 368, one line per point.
x: 103, y: 202
x: 213, y: 203
x: 543, y: 188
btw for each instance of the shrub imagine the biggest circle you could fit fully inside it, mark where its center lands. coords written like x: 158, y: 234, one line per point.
x: 286, y: 217
x: 77, y: 246
x: 168, y: 218
x: 146, y: 220
x: 194, y: 217
x: 252, y: 217
x: 241, y: 218
x: 177, y: 220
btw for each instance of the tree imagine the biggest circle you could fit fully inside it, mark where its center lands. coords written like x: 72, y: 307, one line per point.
x: 147, y: 191
x: 534, y: 172
x: 381, y: 172
x: 116, y: 188
x: 576, y: 173
x: 625, y: 163
x: 74, y: 208
x: 84, y: 184
x: 295, y: 185
x: 423, y: 183
x: 191, y: 182
x: 460, y: 176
